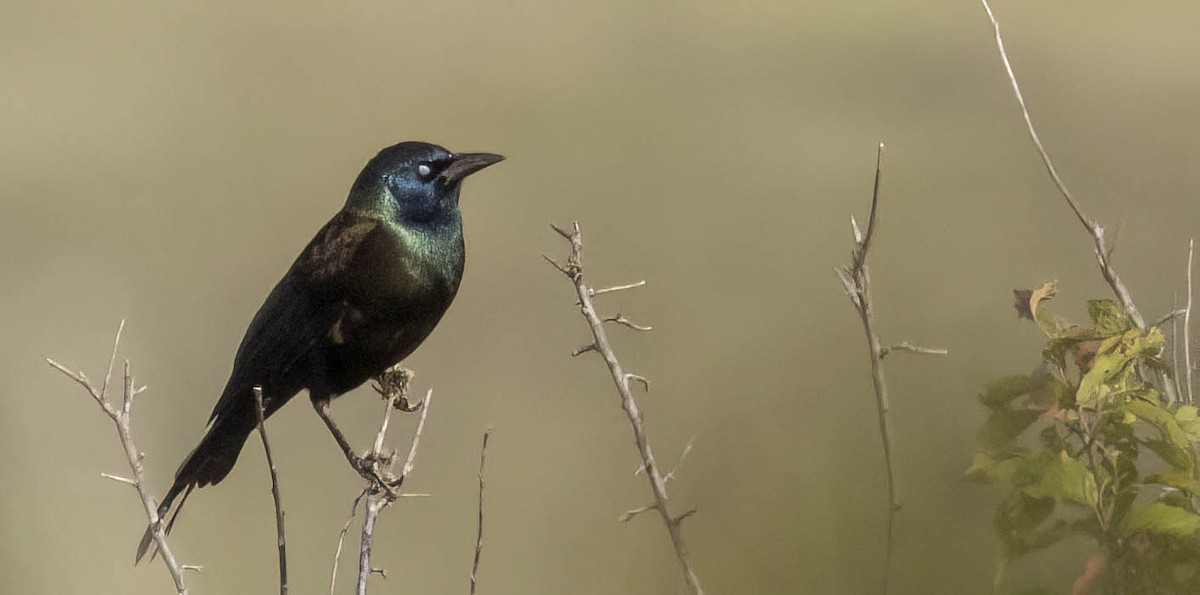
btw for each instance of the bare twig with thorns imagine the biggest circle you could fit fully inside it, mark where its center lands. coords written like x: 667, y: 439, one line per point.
x: 383, y: 482
x: 1101, y: 247
x: 573, y: 269
x: 857, y: 281
x: 120, y: 415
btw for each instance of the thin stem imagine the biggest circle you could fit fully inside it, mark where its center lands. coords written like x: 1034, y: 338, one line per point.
x: 857, y: 281
x: 1101, y: 248
x: 380, y: 495
x: 280, y: 540
x: 479, y: 526
x: 658, y: 486
x: 120, y: 417
x: 337, y: 554
x: 1187, y: 326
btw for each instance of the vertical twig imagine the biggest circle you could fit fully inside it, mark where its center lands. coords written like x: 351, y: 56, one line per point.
x: 1175, y: 338
x: 120, y: 416
x: 857, y: 282
x: 281, y: 541
x: 658, y: 487
x: 1187, y: 326
x: 381, y: 494
x: 337, y: 555
x: 1095, y: 230
x: 479, y: 530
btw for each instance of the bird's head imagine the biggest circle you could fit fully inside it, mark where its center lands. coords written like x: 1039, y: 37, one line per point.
x: 416, y: 182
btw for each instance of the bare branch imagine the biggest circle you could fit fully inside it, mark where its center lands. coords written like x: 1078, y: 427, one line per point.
x: 687, y: 513
x: 281, y: 541
x: 1169, y: 317
x: 585, y: 349
x: 337, y: 555
x: 1187, y: 326
x: 686, y: 450
x: 629, y: 514
x: 909, y: 347
x: 112, y: 358
x: 562, y: 232
x: 479, y: 531
x: 856, y: 279
x: 412, y: 450
x: 596, y: 292
x: 562, y: 269
x: 119, y: 479
x: 629, y: 323
x: 120, y: 418
x: 381, y: 494
x: 1100, y: 247
x: 600, y: 343
x: 641, y: 379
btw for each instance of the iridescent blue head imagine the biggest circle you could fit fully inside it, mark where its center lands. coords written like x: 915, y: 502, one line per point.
x: 415, y: 182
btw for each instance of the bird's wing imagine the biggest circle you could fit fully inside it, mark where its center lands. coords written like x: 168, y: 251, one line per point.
x: 298, y: 314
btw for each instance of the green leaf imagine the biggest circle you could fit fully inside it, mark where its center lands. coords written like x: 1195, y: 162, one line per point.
x: 1063, y: 477
x: 1162, y: 518
x: 1175, y: 478
x: 1185, y: 413
x: 1171, y: 454
x: 1108, y: 318
x: 1109, y: 363
x: 1174, y: 447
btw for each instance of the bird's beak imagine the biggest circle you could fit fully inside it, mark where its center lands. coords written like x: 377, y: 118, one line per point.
x: 465, y: 164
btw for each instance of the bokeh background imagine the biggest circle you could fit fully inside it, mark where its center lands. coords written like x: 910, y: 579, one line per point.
x: 164, y: 163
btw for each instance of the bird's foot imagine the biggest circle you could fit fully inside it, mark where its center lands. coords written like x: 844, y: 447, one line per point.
x: 402, y: 404
x: 369, y: 467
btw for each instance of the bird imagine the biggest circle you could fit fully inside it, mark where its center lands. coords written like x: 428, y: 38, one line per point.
x: 362, y: 296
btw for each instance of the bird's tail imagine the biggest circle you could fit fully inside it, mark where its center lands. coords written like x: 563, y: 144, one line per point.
x: 168, y: 511
x: 208, y: 463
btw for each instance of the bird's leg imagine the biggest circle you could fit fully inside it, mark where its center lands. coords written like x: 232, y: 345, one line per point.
x: 363, y: 465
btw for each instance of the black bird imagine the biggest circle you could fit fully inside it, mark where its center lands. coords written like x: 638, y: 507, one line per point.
x: 362, y: 296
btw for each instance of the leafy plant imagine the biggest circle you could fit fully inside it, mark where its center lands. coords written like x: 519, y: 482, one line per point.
x: 1086, y: 446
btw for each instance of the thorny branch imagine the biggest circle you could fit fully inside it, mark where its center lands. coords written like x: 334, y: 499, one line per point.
x: 120, y: 415
x: 281, y: 541
x: 1100, y: 246
x: 479, y: 531
x: 382, y: 496
x: 573, y: 269
x: 378, y: 495
x: 857, y: 281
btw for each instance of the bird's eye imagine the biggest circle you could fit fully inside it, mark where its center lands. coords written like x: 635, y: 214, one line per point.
x: 424, y: 170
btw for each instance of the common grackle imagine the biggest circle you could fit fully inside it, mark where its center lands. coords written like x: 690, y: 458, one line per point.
x: 363, y: 294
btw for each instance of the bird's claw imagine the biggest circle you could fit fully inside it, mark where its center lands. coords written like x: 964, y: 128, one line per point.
x: 402, y: 404
x: 366, y: 467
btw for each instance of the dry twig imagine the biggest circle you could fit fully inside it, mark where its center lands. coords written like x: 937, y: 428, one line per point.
x: 1100, y: 246
x: 1187, y: 325
x: 479, y: 531
x: 337, y: 555
x: 120, y: 414
x: 857, y: 281
x: 381, y: 493
x: 280, y: 540
x: 573, y: 269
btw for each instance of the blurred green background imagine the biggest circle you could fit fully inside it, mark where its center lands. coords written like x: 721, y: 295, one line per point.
x: 165, y: 163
